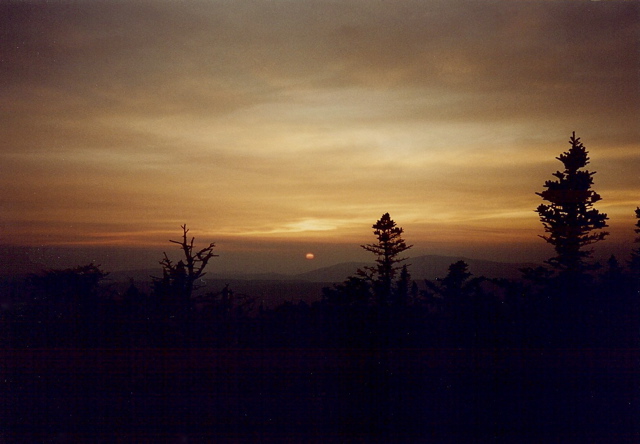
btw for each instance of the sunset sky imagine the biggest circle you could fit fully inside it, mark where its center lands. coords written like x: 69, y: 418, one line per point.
x: 277, y: 128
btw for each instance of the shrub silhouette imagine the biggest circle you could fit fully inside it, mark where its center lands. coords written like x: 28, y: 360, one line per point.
x: 68, y: 293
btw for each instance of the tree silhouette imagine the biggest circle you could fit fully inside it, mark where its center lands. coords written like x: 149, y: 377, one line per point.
x: 455, y: 282
x: 570, y: 219
x: 387, y: 250
x: 402, y: 287
x: 179, y: 279
x: 454, y: 287
x: 70, y: 292
x: 354, y: 291
x: 614, y: 273
x: 460, y: 298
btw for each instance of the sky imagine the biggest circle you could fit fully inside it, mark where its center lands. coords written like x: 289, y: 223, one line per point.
x: 278, y: 128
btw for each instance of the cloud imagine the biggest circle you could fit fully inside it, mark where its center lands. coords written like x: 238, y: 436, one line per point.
x: 277, y: 117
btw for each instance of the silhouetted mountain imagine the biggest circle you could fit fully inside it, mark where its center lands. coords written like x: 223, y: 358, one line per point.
x: 274, y: 288
x: 433, y: 266
x: 145, y: 275
x: 270, y: 289
x: 334, y: 273
x: 421, y: 267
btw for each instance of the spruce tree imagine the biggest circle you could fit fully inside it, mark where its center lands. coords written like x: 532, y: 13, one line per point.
x: 454, y: 287
x: 569, y: 219
x: 401, y: 294
x: 387, y: 249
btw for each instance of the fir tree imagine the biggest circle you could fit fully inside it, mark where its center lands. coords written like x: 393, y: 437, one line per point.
x: 454, y: 286
x: 570, y: 219
x: 402, y: 287
x: 387, y: 249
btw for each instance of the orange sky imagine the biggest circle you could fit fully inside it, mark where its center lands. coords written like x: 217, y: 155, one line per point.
x: 289, y: 125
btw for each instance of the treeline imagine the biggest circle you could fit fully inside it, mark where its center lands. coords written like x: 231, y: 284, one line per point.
x: 379, y: 306
x: 378, y: 358
x: 569, y: 301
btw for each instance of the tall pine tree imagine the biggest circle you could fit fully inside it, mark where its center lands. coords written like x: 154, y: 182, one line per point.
x: 569, y: 219
x: 387, y: 250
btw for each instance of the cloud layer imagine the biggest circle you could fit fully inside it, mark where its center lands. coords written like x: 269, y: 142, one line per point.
x: 308, y: 120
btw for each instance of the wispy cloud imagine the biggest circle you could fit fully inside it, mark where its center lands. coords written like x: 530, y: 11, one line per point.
x: 299, y: 119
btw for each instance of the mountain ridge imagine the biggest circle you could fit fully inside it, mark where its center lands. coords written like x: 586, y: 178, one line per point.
x: 423, y: 267
x: 420, y: 267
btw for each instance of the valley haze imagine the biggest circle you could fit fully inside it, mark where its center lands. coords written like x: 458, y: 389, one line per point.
x: 329, y: 265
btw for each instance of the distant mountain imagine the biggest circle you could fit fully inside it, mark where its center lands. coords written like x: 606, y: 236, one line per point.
x: 333, y: 273
x: 421, y: 267
x: 145, y: 275
x: 432, y: 266
x: 271, y: 289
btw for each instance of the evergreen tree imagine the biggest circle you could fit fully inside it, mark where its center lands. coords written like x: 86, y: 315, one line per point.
x: 354, y: 291
x: 387, y: 249
x: 457, y: 279
x: 402, y: 287
x: 454, y: 286
x: 570, y: 219
x: 70, y: 292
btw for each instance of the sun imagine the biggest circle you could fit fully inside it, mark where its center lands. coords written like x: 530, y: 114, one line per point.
x: 309, y: 256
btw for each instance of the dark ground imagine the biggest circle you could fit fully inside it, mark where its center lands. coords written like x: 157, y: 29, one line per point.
x: 319, y: 395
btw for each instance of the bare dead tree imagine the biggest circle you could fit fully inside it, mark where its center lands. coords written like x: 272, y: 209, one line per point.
x: 180, y: 278
x: 194, y: 263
